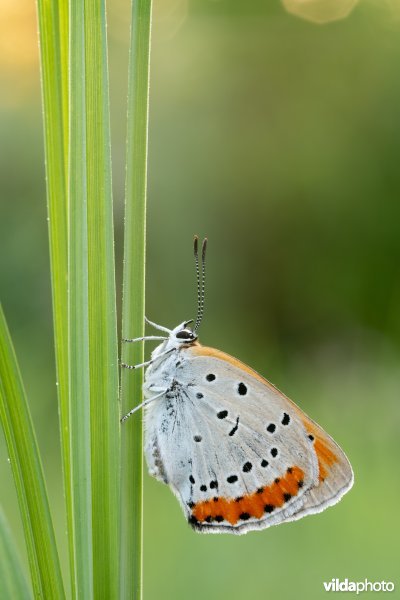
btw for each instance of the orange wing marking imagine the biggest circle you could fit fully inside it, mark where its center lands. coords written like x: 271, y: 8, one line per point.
x: 262, y: 501
x: 199, y: 350
x: 326, y: 457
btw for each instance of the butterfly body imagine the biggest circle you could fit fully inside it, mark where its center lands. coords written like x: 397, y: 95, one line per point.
x: 237, y: 453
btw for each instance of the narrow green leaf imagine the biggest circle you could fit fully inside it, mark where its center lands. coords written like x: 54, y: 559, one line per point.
x: 61, y: 39
x: 78, y: 312
x: 28, y: 474
x: 134, y: 296
x: 53, y: 42
x: 103, y: 349
x: 13, y: 583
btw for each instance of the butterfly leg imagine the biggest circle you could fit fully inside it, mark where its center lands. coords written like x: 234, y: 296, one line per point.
x: 159, y: 327
x: 143, y: 404
x: 148, y: 362
x: 145, y: 338
x: 139, y: 366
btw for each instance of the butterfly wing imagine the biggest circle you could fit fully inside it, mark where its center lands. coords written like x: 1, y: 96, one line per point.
x: 238, y: 454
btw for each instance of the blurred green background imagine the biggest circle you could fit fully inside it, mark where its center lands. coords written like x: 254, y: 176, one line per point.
x: 280, y: 140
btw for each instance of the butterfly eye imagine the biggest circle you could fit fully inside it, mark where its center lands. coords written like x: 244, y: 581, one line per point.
x: 185, y: 334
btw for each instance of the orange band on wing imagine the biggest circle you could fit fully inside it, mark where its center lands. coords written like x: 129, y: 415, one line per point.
x: 264, y: 500
x: 326, y: 457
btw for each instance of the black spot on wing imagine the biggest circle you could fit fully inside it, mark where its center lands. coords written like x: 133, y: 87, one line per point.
x: 242, y: 389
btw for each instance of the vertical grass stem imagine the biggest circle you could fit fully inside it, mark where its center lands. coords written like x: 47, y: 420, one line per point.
x: 134, y: 297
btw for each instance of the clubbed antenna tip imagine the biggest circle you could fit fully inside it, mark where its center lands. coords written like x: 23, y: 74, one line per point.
x: 203, y: 250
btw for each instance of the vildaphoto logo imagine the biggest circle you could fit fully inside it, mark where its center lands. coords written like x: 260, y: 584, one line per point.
x: 336, y: 585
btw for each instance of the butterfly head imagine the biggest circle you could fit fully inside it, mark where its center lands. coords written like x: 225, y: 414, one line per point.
x: 183, y: 335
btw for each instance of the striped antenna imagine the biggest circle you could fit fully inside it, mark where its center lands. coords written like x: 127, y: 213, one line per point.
x: 201, y: 284
x: 196, y: 260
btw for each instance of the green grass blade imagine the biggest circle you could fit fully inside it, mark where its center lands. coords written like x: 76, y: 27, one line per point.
x: 13, y: 583
x: 103, y: 349
x: 53, y: 42
x: 133, y: 297
x: 79, y: 381
x: 28, y: 474
x: 62, y: 40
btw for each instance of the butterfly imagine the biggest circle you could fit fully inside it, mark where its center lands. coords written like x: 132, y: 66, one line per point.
x: 237, y: 453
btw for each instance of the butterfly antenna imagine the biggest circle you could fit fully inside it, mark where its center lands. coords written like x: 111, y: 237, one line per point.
x: 196, y: 259
x: 201, y: 284
x: 203, y: 275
